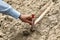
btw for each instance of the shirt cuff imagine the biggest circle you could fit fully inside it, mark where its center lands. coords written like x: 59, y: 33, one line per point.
x: 12, y: 12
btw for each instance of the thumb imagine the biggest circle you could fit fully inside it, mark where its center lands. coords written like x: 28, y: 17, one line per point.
x: 30, y: 17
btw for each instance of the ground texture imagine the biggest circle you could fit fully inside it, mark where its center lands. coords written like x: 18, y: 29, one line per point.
x: 47, y: 29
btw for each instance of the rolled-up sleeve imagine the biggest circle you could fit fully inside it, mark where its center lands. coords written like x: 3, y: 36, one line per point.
x: 7, y: 9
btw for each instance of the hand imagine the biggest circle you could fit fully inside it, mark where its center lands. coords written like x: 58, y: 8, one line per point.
x: 26, y: 18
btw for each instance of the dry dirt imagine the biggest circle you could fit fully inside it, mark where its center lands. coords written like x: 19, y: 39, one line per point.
x: 47, y: 29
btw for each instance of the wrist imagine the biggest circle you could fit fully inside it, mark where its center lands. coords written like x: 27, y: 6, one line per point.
x: 20, y: 17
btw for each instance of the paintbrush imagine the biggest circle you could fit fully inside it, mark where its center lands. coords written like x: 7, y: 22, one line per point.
x: 32, y: 29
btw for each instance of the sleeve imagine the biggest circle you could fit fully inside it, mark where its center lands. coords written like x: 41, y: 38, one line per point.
x: 7, y: 9
x: 0, y: 0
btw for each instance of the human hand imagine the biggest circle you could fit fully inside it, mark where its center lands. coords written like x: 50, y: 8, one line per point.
x: 26, y: 18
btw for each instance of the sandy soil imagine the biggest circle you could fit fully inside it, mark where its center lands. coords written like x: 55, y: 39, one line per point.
x: 47, y: 29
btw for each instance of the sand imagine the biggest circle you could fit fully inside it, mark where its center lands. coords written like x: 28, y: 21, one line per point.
x: 47, y: 29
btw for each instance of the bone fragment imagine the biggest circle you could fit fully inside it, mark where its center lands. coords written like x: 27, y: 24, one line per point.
x: 43, y: 14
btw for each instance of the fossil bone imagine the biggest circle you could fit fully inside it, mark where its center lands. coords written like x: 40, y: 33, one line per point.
x: 43, y: 14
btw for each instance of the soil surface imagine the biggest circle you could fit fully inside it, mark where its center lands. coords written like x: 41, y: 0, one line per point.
x: 47, y: 29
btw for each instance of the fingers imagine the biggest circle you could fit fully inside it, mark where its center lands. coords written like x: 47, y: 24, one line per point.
x: 30, y: 22
x: 29, y: 17
x: 27, y: 21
